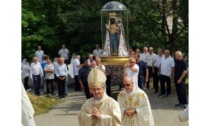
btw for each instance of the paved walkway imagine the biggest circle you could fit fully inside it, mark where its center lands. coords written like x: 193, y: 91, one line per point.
x: 65, y: 114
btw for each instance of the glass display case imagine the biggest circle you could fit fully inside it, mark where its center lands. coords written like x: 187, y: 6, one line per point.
x: 114, y: 30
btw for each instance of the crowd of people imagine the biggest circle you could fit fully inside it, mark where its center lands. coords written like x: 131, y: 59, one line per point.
x: 95, y: 79
x: 162, y: 68
x: 42, y: 69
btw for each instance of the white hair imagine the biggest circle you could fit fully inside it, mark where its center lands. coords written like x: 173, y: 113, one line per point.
x: 78, y: 56
x: 62, y: 58
x: 179, y: 53
x: 145, y: 48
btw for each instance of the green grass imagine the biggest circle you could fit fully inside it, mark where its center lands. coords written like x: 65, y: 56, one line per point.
x: 43, y: 104
x: 187, y: 86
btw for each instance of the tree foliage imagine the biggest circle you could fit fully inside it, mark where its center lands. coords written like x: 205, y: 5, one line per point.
x: 76, y: 23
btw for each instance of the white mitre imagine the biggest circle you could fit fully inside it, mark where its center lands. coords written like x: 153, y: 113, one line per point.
x: 96, y: 78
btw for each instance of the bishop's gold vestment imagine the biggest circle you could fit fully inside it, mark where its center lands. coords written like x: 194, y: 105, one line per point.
x: 138, y: 100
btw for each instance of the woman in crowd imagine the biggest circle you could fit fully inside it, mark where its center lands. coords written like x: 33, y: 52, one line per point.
x: 25, y: 73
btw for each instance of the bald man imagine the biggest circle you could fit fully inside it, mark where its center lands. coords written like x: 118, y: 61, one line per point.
x: 36, y: 73
x: 144, y: 54
x: 61, y: 74
x: 131, y: 69
x: 166, y: 72
x: 100, y: 65
x: 155, y: 68
x: 180, y: 73
x: 90, y: 58
x: 149, y: 60
x: 134, y: 105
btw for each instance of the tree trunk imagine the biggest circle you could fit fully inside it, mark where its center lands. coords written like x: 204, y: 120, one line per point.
x: 173, y: 35
x: 163, y: 26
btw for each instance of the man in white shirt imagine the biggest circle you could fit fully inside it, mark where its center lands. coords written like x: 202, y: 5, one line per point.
x: 90, y: 58
x: 149, y: 60
x: 39, y: 54
x: 166, y: 71
x: 49, y: 76
x: 36, y: 73
x: 144, y: 54
x: 97, y: 52
x: 64, y: 52
x: 61, y: 74
x: 100, y: 65
x: 76, y: 67
x: 155, y: 68
x: 131, y: 69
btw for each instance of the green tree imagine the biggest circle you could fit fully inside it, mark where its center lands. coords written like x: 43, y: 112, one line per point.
x: 36, y: 29
x: 77, y: 24
x: 177, y: 38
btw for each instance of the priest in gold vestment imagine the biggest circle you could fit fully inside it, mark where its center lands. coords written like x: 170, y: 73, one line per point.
x: 134, y: 105
x: 100, y: 110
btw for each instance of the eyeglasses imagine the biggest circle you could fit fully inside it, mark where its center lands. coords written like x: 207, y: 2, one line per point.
x: 126, y: 85
x: 132, y: 62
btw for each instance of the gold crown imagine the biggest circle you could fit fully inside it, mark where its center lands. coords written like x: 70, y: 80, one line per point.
x: 112, y: 15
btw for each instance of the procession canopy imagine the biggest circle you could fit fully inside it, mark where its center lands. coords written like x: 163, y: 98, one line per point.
x: 114, y: 6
